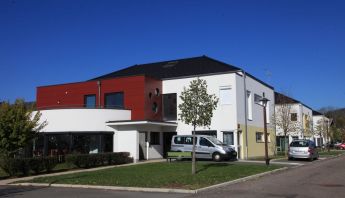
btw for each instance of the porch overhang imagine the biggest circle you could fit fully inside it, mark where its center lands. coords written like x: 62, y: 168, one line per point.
x: 136, y: 123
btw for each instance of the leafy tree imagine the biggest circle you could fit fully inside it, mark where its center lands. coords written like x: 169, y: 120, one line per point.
x: 18, y: 125
x: 197, y: 108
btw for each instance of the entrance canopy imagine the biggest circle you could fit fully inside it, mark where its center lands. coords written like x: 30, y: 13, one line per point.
x: 134, y: 124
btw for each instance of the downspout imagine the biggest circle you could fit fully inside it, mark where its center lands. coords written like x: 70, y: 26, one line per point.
x: 99, y: 93
x: 246, y: 112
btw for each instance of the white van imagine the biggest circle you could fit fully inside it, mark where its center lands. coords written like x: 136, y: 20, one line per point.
x: 207, y: 147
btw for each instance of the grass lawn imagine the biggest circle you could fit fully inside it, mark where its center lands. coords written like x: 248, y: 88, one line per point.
x: 161, y: 175
x: 331, y: 152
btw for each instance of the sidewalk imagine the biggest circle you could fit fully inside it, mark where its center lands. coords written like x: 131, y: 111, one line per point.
x: 8, y: 181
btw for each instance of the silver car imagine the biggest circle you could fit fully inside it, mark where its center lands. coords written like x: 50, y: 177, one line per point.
x: 305, y: 149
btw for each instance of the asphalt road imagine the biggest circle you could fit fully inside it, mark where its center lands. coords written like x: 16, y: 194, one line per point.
x: 325, y: 178
x: 320, y: 179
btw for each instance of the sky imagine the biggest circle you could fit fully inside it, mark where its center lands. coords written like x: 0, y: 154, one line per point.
x: 297, y: 46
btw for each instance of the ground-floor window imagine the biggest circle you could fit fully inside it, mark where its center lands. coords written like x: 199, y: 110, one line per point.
x: 76, y: 142
x: 228, y: 138
x: 208, y: 132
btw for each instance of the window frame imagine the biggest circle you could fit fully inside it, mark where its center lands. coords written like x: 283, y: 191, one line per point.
x: 115, y: 107
x: 85, y: 100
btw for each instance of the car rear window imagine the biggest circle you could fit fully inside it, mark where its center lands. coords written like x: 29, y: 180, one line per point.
x: 299, y: 144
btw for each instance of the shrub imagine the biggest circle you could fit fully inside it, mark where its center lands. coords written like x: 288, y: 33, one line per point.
x: 37, y: 165
x: 99, y: 159
x: 10, y: 165
x: 50, y: 163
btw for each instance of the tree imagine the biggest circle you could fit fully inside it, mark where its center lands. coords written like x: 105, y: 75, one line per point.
x: 322, y: 128
x: 283, y: 118
x: 18, y: 126
x: 197, y: 108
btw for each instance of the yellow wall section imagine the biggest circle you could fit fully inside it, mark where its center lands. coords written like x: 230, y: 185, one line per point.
x: 257, y: 149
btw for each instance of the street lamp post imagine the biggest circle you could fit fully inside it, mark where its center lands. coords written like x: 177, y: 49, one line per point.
x: 264, y: 101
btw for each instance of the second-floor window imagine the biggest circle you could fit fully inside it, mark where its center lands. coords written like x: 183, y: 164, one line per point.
x: 169, y: 106
x: 114, y: 100
x: 90, y: 101
x: 293, y: 116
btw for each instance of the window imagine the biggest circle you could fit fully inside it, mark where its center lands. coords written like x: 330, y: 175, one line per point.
x: 184, y: 140
x: 260, y: 137
x: 205, y: 142
x: 169, y: 106
x: 90, y: 101
x: 225, y: 95
x: 249, y: 105
x: 114, y: 100
x: 228, y: 138
x: 257, y: 99
x: 293, y: 116
x: 154, y: 138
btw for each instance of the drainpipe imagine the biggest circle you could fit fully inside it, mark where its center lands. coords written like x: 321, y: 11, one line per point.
x: 99, y: 93
x: 246, y: 113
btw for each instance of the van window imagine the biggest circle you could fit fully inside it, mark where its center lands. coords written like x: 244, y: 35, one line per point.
x: 183, y: 140
x: 205, y: 142
x: 299, y: 144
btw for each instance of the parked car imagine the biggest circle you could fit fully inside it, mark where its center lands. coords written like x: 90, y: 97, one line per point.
x: 304, y: 149
x: 341, y: 146
x: 207, y: 147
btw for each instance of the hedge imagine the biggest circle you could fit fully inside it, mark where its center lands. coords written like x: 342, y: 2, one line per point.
x: 13, y: 166
x: 99, y: 159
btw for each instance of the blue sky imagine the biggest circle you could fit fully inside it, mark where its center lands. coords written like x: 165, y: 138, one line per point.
x: 296, y: 46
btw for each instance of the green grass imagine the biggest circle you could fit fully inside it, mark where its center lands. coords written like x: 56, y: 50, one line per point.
x: 161, y: 175
x: 331, y: 153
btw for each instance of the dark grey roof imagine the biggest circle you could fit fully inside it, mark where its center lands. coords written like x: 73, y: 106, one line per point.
x: 316, y: 113
x: 281, y: 99
x: 174, y: 68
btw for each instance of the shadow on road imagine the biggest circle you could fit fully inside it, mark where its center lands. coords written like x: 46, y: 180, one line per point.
x: 9, y: 191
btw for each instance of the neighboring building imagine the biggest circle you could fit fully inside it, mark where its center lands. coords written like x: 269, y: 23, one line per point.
x: 321, y: 128
x: 136, y: 110
x: 300, y: 113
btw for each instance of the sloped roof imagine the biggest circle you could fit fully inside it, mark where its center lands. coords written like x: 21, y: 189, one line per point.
x: 316, y: 113
x: 282, y: 99
x: 174, y: 68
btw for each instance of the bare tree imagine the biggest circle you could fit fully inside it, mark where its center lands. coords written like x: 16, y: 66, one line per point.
x: 321, y: 128
x: 283, y: 118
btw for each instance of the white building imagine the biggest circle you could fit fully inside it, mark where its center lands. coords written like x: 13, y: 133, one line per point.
x: 300, y: 116
x: 136, y: 110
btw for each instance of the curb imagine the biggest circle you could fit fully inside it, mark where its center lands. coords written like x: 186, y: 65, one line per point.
x: 118, y: 188
x: 161, y: 190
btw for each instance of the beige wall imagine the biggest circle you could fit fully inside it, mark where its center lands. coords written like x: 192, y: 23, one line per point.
x: 257, y: 149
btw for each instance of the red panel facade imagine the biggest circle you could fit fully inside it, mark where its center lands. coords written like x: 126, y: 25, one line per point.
x: 72, y: 95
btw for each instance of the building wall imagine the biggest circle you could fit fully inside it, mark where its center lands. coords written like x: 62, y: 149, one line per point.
x: 255, y: 122
x: 83, y: 120
x: 224, y: 117
x: 304, y: 130
x: 134, y: 89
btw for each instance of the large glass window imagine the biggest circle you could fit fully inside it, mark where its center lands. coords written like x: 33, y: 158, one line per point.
x: 169, y: 106
x: 90, y: 101
x: 114, y: 100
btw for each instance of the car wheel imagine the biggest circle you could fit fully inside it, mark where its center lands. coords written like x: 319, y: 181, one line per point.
x: 310, y: 159
x: 290, y: 158
x: 216, y: 157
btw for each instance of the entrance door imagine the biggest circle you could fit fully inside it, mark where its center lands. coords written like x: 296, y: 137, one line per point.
x: 142, y: 145
x: 167, y: 142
